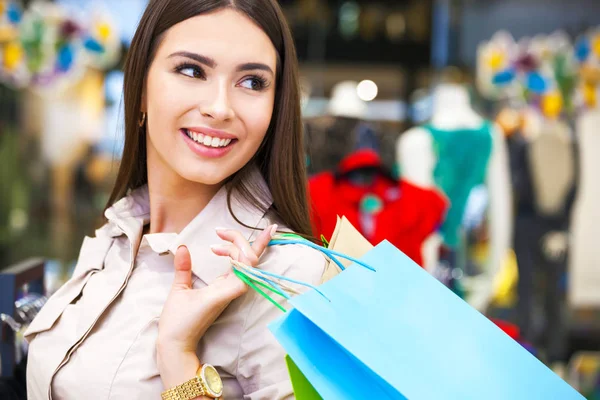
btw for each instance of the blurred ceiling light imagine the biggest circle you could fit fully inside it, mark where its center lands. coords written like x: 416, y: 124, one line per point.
x: 367, y: 90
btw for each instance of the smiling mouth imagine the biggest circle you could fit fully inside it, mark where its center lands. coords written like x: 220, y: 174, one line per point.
x: 208, y: 141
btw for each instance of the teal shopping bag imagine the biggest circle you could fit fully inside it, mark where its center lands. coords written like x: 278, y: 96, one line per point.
x: 398, y: 333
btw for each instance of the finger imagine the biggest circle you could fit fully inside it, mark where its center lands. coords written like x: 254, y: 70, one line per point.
x: 183, y: 268
x: 229, y: 287
x: 223, y: 290
x: 247, y: 255
x: 226, y: 250
x: 262, y: 241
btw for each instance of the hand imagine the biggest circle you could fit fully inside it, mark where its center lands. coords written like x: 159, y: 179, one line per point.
x: 188, y: 313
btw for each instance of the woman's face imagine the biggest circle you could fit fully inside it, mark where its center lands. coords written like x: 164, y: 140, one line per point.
x: 209, y: 97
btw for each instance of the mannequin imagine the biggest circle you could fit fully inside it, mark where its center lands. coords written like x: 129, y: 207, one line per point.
x: 584, y: 260
x: 416, y: 154
x: 543, y: 176
x: 326, y: 146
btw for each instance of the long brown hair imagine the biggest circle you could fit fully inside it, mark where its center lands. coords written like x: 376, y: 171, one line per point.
x: 280, y: 157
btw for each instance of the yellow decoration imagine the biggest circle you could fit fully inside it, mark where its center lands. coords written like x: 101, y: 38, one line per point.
x: 552, y: 104
x: 7, y: 33
x: 546, y: 53
x: 505, y: 283
x: 589, y: 95
x: 596, y: 45
x: 13, y: 54
x: 495, y: 60
x: 103, y: 31
x: 504, y: 292
x: 590, y: 74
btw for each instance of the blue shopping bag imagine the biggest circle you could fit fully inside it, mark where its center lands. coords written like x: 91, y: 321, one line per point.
x: 398, y: 333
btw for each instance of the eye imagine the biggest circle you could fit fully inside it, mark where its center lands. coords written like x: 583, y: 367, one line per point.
x: 256, y: 83
x: 191, y: 70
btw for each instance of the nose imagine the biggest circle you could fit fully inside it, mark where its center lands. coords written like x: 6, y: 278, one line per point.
x: 218, y: 103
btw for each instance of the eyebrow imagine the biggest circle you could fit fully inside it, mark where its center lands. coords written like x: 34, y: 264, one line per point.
x: 196, y: 57
x: 255, y: 66
x: 252, y: 66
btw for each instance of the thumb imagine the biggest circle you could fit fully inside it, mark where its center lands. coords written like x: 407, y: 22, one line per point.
x: 183, y: 268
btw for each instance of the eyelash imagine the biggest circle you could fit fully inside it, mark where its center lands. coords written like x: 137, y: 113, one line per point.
x: 262, y: 82
x: 197, y: 69
x: 198, y: 73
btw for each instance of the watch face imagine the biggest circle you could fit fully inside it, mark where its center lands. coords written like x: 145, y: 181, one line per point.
x: 213, y: 380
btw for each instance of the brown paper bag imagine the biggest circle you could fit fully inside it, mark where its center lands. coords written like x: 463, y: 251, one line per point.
x: 346, y: 239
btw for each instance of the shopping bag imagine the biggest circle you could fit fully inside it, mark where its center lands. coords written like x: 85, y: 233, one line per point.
x: 395, y: 332
x: 346, y: 239
x: 303, y: 390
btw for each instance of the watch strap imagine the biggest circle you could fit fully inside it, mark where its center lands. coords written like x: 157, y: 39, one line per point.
x: 186, y: 391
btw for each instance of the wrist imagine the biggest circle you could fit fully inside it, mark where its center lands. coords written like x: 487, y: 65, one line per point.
x: 176, y: 366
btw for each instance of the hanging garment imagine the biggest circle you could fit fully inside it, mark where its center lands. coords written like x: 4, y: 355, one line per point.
x: 528, y: 180
x: 462, y: 160
x: 541, y: 321
x: 584, y: 265
x: 544, y: 196
x: 379, y: 206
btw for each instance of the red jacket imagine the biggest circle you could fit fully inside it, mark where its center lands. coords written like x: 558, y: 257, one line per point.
x: 407, y: 214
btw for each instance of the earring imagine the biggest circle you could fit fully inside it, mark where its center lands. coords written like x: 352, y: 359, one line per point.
x: 142, y: 120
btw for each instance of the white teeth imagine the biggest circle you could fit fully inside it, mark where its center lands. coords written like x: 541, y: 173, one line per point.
x: 208, y: 141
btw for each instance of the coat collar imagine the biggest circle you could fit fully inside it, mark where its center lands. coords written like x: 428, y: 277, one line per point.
x: 129, y: 215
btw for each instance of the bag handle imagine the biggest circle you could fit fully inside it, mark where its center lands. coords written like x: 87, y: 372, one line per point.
x: 256, y: 278
x: 291, y: 238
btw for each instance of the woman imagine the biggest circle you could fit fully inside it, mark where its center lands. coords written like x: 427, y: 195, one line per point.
x: 212, y: 161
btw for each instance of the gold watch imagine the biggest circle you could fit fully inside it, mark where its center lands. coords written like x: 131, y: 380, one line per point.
x: 207, y: 382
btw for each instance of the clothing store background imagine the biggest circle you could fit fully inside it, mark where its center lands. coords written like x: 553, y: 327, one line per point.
x: 401, y: 137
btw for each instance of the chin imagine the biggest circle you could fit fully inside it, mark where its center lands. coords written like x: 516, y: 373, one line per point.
x: 206, y: 177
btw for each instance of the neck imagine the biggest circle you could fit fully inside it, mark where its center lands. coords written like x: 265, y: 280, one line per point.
x: 174, y: 201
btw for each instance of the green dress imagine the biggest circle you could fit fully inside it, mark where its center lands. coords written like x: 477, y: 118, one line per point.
x: 462, y: 160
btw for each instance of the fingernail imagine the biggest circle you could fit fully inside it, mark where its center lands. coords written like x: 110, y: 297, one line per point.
x: 218, y: 247
x: 220, y: 229
x: 274, y: 230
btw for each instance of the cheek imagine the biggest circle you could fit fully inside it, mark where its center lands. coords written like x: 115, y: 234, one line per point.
x: 167, y: 101
x: 256, y: 118
x: 165, y: 98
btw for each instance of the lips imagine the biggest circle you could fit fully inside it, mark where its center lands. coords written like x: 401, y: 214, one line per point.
x: 212, y: 140
x: 207, y: 146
